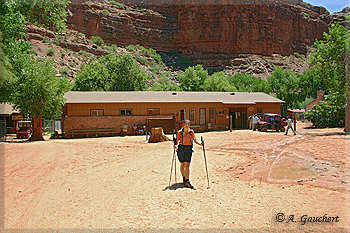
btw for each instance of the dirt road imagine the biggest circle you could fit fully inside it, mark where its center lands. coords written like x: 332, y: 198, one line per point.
x: 121, y: 183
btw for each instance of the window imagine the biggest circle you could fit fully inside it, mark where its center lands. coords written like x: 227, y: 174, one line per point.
x: 125, y: 112
x: 182, y: 114
x: 96, y: 112
x: 193, y: 115
x: 260, y: 111
x: 202, y: 116
x: 212, y: 113
x: 153, y: 111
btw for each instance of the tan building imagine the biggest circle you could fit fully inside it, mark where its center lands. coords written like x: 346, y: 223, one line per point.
x: 99, y: 113
x: 317, y: 101
x: 10, y: 116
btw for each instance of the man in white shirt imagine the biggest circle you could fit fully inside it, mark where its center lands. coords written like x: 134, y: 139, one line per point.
x: 256, y: 120
x: 290, y: 126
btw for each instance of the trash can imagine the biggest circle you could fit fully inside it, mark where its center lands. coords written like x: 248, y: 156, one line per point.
x: 125, y: 128
x: 209, y: 125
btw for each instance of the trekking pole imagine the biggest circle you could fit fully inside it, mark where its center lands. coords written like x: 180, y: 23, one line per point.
x: 172, y: 162
x: 205, y: 160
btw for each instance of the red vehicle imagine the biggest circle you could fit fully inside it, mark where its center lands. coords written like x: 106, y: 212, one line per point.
x: 272, y: 121
x: 24, y: 129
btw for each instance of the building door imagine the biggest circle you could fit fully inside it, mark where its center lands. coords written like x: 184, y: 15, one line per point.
x: 239, y: 118
x: 233, y: 121
x: 202, y: 116
x: 182, y: 114
x: 244, y: 120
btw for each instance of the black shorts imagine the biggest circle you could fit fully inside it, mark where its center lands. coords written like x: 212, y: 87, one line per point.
x: 184, y: 153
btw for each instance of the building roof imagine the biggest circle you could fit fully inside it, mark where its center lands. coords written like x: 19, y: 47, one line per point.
x: 168, y: 96
x: 7, y: 109
x: 296, y: 110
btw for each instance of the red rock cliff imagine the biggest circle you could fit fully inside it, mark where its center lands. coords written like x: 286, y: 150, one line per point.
x: 197, y: 28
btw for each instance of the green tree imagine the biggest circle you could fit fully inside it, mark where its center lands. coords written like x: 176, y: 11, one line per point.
x: 218, y: 82
x: 111, y: 73
x: 37, y: 91
x: 329, y: 56
x: 7, y: 78
x: 165, y: 84
x: 192, y: 79
x: 284, y: 84
x: 310, y: 82
x: 330, y: 113
x: 248, y: 83
x: 51, y: 14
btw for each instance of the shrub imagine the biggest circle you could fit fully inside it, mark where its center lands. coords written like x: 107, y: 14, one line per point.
x: 105, y: 11
x: 50, y: 52
x: 97, y: 40
x: 64, y: 71
x: 330, y: 113
x: 174, y: 53
x: 118, y: 4
x: 81, y: 35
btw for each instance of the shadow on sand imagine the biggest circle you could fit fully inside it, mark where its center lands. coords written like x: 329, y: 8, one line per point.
x: 175, y: 186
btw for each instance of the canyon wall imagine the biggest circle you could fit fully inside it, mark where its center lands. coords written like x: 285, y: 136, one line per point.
x: 210, y: 32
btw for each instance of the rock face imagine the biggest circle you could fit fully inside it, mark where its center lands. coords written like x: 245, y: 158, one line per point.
x: 210, y: 32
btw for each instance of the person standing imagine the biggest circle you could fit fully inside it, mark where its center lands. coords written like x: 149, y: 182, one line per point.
x: 256, y: 120
x: 250, y: 121
x: 290, y: 125
x: 184, y: 139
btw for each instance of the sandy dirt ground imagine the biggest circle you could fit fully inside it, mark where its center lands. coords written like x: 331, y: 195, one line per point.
x: 103, y: 184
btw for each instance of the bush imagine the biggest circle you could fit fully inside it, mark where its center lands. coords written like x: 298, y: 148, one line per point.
x: 174, y: 53
x: 183, y: 62
x: 192, y: 79
x: 50, y: 52
x: 105, y: 11
x: 111, y: 73
x: 330, y: 113
x: 64, y: 71
x: 118, y: 4
x: 97, y: 40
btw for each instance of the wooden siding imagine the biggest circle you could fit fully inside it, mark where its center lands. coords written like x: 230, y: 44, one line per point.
x: 140, y: 109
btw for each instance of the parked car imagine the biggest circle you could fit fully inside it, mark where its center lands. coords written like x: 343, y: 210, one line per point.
x: 24, y: 129
x: 272, y: 121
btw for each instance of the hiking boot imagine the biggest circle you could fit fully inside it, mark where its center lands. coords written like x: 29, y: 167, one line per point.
x: 188, y: 185
x: 184, y: 180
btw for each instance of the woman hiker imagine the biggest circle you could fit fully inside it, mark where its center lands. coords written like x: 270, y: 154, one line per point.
x: 184, y: 139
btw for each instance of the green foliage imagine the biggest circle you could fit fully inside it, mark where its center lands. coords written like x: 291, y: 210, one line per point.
x: 118, y: 4
x: 7, y: 78
x: 151, y: 53
x: 218, y: 82
x: 310, y: 82
x: 52, y: 14
x: 165, y: 84
x: 192, y: 79
x: 285, y: 85
x: 111, y: 73
x: 50, y: 52
x: 328, y: 57
x: 248, y: 83
x: 330, y: 113
x: 64, y: 71
x: 110, y: 48
x: 174, y: 53
x: 105, y: 11
x: 84, y: 53
x: 97, y: 40
x: 37, y: 91
x: 182, y: 63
